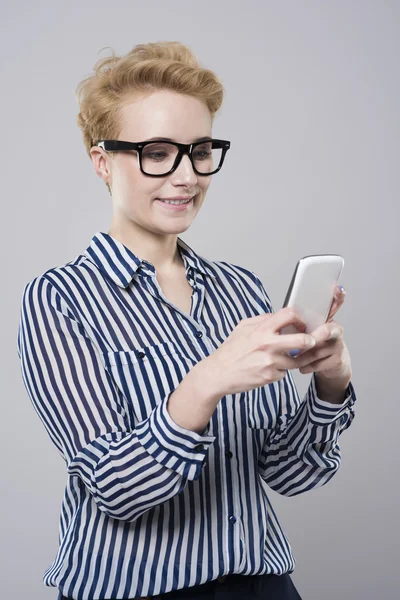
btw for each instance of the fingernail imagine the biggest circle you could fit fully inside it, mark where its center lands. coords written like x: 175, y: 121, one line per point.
x: 294, y: 352
x: 341, y: 288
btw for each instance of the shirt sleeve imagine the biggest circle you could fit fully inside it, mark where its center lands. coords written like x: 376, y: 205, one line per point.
x: 302, y: 452
x: 128, y: 471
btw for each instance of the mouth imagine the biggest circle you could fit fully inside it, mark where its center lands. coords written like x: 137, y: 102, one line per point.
x: 177, y: 205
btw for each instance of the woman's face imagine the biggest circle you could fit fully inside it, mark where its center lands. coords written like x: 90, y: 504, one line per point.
x: 162, y: 114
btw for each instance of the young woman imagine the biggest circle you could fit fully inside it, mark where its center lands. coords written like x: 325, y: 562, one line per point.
x: 160, y: 376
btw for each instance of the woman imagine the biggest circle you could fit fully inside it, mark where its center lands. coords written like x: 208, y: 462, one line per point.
x: 161, y: 377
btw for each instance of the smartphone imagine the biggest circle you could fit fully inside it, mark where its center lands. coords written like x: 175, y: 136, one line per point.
x: 311, y: 290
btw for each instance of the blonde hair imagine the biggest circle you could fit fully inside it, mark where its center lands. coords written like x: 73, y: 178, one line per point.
x: 145, y: 69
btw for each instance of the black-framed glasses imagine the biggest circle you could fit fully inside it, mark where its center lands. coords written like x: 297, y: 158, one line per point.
x: 158, y: 158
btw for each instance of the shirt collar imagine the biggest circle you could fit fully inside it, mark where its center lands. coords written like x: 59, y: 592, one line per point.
x: 120, y: 264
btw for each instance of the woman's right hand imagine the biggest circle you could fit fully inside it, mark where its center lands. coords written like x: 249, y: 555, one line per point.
x: 255, y: 354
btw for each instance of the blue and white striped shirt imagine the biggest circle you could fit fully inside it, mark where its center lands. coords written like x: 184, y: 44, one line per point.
x: 150, y: 506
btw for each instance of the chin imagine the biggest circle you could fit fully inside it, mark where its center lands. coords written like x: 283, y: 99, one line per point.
x: 177, y: 229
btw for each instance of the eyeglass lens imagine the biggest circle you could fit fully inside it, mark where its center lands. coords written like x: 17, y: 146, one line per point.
x: 158, y: 158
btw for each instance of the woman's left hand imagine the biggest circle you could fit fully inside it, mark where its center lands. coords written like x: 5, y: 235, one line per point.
x: 329, y: 358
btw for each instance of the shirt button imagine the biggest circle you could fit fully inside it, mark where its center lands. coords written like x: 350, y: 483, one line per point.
x: 199, y: 447
x: 232, y: 519
x: 199, y: 334
x: 141, y: 355
x: 229, y: 454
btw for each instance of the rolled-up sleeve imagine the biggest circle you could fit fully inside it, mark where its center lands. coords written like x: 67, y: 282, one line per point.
x: 127, y: 470
x: 303, y: 451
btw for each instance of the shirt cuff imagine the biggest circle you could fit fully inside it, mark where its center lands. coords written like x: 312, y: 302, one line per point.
x: 325, y: 413
x: 175, y: 447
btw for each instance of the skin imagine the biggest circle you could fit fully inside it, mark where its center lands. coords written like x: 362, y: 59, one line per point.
x: 151, y: 231
x: 329, y: 359
x: 144, y: 226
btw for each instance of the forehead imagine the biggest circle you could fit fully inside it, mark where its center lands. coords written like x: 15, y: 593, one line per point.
x: 167, y: 114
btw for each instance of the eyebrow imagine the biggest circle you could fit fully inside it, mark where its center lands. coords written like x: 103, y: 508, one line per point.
x: 166, y: 139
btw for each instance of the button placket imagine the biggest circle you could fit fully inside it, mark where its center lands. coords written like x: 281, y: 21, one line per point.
x: 235, y: 519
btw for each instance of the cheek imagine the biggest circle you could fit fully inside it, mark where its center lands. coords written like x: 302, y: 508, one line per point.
x: 137, y: 190
x: 130, y: 177
x: 205, y: 183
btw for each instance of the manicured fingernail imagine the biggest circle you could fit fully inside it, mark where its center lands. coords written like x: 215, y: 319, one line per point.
x: 294, y: 352
x: 341, y: 288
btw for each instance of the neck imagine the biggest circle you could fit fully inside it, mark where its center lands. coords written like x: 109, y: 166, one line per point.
x: 161, y: 251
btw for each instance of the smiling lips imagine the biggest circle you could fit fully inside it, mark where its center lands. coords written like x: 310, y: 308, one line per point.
x: 177, y: 205
x: 176, y: 198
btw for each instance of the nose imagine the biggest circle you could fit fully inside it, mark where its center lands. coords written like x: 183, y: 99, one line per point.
x: 185, y: 171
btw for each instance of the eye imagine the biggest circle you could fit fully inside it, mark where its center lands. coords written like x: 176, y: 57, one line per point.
x: 201, y: 154
x: 156, y: 155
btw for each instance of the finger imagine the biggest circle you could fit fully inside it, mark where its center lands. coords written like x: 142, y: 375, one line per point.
x: 334, y: 307
x: 284, y: 362
x: 323, y: 364
x: 328, y: 332
x: 300, y: 341
x: 288, y: 316
x: 315, y: 354
x: 337, y: 302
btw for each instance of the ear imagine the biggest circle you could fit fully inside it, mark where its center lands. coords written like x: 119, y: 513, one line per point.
x: 101, y: 163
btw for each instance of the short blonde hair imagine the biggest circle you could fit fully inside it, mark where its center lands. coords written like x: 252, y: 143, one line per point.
x: 145, y: 69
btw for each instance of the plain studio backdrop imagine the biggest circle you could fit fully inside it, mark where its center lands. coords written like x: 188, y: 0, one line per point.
x: 312, y: 112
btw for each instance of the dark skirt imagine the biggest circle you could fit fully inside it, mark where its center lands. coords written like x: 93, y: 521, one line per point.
x: 235, y: 587
x: 239, y: 587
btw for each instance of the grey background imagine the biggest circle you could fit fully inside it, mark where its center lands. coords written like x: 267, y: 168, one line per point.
x: 312, y: 111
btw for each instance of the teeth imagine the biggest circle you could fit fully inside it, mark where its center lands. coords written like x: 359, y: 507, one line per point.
x: 176, y: 201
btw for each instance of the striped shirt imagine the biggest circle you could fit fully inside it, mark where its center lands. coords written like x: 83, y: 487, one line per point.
x: 150, y: 506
